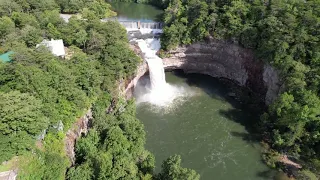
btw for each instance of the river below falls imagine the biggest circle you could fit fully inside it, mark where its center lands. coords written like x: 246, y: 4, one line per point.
x: 206, y: 128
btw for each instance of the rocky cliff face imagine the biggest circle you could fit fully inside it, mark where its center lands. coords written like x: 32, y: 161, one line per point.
x: 80, y: 127
x: 272, y: 82
x: 225, y: 60
x: 222, y: 59
x: 215, y: 59
x: 127, y: 88
x: 141, y: 70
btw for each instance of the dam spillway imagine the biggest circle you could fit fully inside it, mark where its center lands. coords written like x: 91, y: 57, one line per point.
x: 126, y: 24
x: 132, y: 24
x: 141, y: 25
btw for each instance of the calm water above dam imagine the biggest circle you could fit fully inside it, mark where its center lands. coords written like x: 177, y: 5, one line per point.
x: 136, y: 12
x: 206, y: 129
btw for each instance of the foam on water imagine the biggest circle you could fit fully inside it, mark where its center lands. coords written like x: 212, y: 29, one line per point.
x: 162, y: 101
x: 158, y: 92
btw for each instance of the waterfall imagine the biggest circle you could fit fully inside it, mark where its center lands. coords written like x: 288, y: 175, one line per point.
x: 149, y: 48
x: 129, y: 25
x: 158, y: 92
x: 144, y: 28
x: 157, y: 76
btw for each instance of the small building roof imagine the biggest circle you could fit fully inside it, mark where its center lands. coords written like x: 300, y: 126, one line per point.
x: 6, y: 56
x: 66, y: 17
x: 56, y: 47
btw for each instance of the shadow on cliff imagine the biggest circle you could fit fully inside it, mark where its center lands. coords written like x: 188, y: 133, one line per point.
x: 209, y: 85
x: 245, y: 110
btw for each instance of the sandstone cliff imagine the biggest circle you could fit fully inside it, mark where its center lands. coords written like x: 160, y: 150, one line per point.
x: 221, y: 59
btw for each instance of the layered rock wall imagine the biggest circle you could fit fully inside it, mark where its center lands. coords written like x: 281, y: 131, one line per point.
x: 141, y: 70
x: 222, y: 59
x: 214, y: 59
x: 226, y: 60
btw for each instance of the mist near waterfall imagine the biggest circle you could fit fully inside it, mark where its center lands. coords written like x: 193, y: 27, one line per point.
x: 155, y: 90
x: 167, y: 98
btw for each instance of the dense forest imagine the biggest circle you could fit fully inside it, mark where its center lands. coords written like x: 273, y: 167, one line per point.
x: 284, y: 33
x: 42, y: 95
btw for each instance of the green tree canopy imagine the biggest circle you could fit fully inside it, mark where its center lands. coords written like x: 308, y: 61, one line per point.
x: 172, y: 170
x: 21, y: 121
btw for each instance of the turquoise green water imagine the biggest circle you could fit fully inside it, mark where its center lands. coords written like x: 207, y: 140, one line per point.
x: 208, y: 129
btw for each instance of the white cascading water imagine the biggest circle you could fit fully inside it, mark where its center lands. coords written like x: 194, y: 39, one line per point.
x: 160, y: 93
x: 149, y: 48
